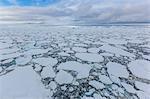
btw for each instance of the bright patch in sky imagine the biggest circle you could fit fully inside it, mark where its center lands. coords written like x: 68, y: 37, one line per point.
x: 27, y: 2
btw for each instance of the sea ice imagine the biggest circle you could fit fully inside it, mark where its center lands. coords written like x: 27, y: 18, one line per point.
x: 90, y: 57
x: 23, y: 82
x: 47, y: 72
x: 78, y: 67
x: 143, y: 87
x: 45, y: 61
x: 23, y: 60
x: 140, y: 68
x: 96, y: 84
x: 93, y: 50
x: 115, y: 50
x: 117, y: 70
x: 105, y: 79
x: 63, y: 77
x: 128, y: 87
x: 115, y: 41
x: 79, y: 49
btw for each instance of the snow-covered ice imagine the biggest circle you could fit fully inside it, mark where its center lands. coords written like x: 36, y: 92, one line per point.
x: 23, y: 60
x: 23, y: 82
x: 140, y: 68
x: 96, y: 84
x: 114, y: 50
x: 143, y: 87
x: 81, y: 69
x: 63, y: 77
x: 90, y: 57
x: 47, y: 72
x: 118, y: 70
x: 46, y: 61
x: 74, y: 62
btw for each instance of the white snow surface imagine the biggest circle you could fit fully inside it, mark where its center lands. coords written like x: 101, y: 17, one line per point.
x: 63, y: 77
x: 117, y: 70
x: 115, y: 50
x: 140, y: 68
x: 57, y: 60
x: 90, y: 57
x: 78, y: 67
x: 22, y: 83
x: 45, y: 61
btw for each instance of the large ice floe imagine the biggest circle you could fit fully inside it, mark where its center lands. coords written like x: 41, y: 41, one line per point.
x: 74, y: 62
x: 22, y: 83
x: 140, y: 68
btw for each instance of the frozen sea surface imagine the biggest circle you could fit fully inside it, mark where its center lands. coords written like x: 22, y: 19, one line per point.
x: 74, y: 62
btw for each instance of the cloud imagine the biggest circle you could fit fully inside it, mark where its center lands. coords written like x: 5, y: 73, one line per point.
x: 80, y: 12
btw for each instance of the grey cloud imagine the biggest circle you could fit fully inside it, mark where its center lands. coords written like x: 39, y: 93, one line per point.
x: 82, y: 12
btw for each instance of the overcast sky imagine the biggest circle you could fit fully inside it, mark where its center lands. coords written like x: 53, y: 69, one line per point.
x: 56, y: 12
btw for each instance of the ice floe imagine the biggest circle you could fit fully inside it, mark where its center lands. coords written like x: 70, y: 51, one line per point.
x: 96, y: 84
x: 140, y: 68
x: 47, y: 72
x: 117, y: 70
x: 90, y: 57
x: 23, y: 60
x: 79, y: 49
x: 78, y: 67
x: 117, y: 51
x: 63, y: 77
x: 143, y: 87
x: 45, y: 61
x: 22, y: 83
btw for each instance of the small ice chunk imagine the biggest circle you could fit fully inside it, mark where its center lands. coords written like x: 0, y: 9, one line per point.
x: 23, y: 60
x: 115, y: 79
x: 37, y: 67
x: 128, y: 87
x: 63, y: 77
x: 63, y: 54
x: 79, y: 49
x: 78, y: 67
x: 90, y: 57
x: 114, y: 87
x: 105, y: 79
x: 117, y: 70
x: 45, y: 61
x: 140, y: 68
x: 96, y: 84
x: 53, y: 85
x: 93, y: 50
x: 47, y: 72
x: 143, y: 95
x: 143, y: 86
x: 36, y: 51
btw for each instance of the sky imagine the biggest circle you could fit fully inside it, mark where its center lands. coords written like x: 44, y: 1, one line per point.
x: 74, y: 12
